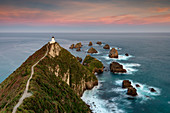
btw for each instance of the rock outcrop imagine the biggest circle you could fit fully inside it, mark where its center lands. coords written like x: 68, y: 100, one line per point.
x: 126, y: 84
x: 78, y: 45
x: 71, y: 47
x: 92, y: 50
x: 132, y: 91
x: 126, y: 54
x: 137, y: 85
x: 106, y: 46
x: 94, y: 65
x: 79, y: 59
x: 152, y: 90
x: 117, y: 68
x: 99, y: 43
x: 113, y: 53
x: 90, y: 43
x: 78, y: 49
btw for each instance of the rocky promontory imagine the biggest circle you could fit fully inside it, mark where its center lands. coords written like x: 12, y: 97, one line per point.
x: 94, y: 65
x: 58, y: 82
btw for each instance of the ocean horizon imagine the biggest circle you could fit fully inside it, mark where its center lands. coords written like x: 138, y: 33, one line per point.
x: 147, y: 65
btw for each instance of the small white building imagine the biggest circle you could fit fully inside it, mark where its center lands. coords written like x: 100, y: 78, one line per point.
x: 52, y: 40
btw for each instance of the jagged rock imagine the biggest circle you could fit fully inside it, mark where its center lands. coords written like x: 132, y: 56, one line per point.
x: 79, y: 59
x: 152, y: 90
x: 99, y: 43
x: 78, y: 45
x: 106, y: 46
x: 78, y: 49
x: 131, y: 91
x: 113, y: 53
x: 126, y: 54
x: 92, y: 50
x: 137, y: 85
x: 126, y: 84
x: 90, y: 85
x: 117, y: 68
x: 71, y: 47
x: 90, y: 43
x: 98, y: 70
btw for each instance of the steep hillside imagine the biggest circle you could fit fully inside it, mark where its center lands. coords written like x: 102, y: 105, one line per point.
x: 57, y: 84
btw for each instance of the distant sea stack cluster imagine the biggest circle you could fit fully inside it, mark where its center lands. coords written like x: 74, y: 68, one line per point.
x: 115, y: 67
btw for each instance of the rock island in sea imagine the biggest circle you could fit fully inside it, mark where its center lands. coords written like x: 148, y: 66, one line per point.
x: 57, y: 83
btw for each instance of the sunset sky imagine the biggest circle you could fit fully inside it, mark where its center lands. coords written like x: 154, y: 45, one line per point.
x: 84, y: 15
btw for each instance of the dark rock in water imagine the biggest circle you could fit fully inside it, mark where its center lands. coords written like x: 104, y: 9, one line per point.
x: 113, y: 53
x: 90, y: 43
x: 78, y: 49
x: 126, y: 84
x: 71, y: 47
x: 131, y: 91
x: 137, y: 85
x: 79, y: 59
x: 152, y: 90
x: 117, y: 68
x: 92, y: 50
x: 78, y: 45
x: 127, y: 54
x: 106, y: 46
x: 99, y: 43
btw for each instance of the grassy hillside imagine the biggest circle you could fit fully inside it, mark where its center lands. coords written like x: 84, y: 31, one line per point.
x: 57, y: 84
x: 93, y: 64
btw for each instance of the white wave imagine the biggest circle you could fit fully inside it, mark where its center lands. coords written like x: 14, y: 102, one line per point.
x: 98, y: 105
x: 117, y: 48
x: 130, y: 67
x: 143, y: 91
x: 120, y: 57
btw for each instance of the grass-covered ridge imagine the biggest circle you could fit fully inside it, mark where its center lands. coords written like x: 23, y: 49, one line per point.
x: 57, y: 84
x: 93, y: 64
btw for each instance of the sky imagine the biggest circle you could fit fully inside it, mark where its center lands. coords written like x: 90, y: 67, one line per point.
x: 84, y: 15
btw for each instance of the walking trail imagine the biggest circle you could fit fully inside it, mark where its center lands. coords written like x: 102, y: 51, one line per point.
x: 26, y: 94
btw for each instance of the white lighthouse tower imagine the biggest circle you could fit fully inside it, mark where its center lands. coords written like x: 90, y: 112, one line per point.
x: 52, y: 40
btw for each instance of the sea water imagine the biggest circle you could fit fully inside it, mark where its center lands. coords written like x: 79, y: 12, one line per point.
x: 148, y: 65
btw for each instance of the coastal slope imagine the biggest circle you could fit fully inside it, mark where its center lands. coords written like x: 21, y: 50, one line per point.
x: 56, y: 86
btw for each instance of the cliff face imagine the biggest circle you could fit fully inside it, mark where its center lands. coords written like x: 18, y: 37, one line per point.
x: 57, y: 84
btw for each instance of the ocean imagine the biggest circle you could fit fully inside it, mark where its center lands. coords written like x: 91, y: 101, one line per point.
x: 148, y: 65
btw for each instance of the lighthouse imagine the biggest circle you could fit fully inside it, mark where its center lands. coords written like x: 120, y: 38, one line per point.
x: 52, y: 40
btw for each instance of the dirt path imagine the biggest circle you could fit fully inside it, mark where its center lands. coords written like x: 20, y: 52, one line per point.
x: 26, y: 94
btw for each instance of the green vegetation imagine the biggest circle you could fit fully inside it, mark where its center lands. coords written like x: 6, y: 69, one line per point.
x: 92, y: 63
x: 56, y: 86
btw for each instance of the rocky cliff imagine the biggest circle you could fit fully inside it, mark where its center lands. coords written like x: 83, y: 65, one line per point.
x: 57, y: 84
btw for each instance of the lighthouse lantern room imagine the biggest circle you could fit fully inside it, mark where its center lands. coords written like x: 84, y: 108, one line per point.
x: 52, y: 40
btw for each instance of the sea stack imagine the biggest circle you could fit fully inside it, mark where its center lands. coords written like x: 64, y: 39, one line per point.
x: 90, y: 43
x: 117, y: 68
x: 99, y: 43
x: 92, y: 50
x: 106, y: 46
x: 113, y: 53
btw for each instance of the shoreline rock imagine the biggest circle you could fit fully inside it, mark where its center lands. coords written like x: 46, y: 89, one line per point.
x: 113, y: 53
x: 71, y: 47
x: 126, y: 84
x: 126, y: 54
x: 99, y: 43
x: 78, y: 49
x: 131, y: 91
x: 79, y: 59
x: 90, y: 44
x: 117, y: 68
x: 106, y: 46
x: 92, y: 50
